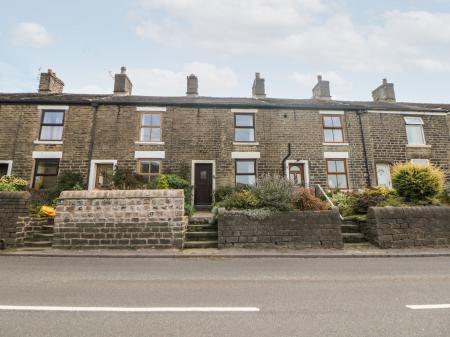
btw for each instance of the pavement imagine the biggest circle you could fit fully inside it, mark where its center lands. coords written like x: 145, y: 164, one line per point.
x: 349, y: 251
x: 333, y: 297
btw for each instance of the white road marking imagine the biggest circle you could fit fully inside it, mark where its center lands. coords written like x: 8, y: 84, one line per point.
x: 428, y: 306
x: 125, y: 309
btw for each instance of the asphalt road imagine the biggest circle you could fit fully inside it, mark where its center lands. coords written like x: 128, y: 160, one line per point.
x: 295, y: 297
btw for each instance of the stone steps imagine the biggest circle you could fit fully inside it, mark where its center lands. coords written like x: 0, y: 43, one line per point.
x: 38, y: 244
x: 201, y: 236
x: 353, y: 238
x: 201, y: 233
x: 40, y: 234
x: 201, y: 244
x: 351, y: 232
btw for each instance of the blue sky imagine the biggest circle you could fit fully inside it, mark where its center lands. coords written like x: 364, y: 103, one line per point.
x: 354, y: 44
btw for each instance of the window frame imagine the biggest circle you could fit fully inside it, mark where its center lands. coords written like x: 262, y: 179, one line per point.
x: 338, y: 173
x: 236, y: 174
x: 141, y: 126
x: 36, y: 166
x: 52, y: 124
x: 253, y: 127
x: 415, y: 125
x: 333, y: 128
x: 149, y: 175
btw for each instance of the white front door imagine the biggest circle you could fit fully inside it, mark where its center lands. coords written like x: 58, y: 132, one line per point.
x: 384, y: 175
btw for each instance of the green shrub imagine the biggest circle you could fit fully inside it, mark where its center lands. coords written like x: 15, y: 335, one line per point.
x: 445, y: 195
x: 163, y: 183
x: 370, y: 198
x: 244, y: 199
x: 222, y: 192
x: 345, y: 202
x: 126, y: 179
x: 304, y: 200
x: 188, y: 209
x: 274, y: 192
x: 12, y: 184
x: 417, y: 182
x: 67, y: 181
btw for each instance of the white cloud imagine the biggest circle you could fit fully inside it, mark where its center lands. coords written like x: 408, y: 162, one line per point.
x: 213, y: 80
x: 31, y: 34
x: 312, y: 31
x: 340, y: 87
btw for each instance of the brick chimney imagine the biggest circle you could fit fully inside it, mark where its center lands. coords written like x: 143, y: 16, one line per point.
x: 50, y: 84
x: 258, y: 88
x: 192, y: 85
x: 322, y: 89
x: 122, y: 84
x: 384, y: 93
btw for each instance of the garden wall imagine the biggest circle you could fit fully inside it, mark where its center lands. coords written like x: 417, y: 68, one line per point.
x: 288, y: 229
x: 13, y: 208
x: 120, y: 219
x: 398, y: 227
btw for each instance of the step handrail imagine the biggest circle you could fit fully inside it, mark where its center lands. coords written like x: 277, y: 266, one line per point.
x: 327, y: 198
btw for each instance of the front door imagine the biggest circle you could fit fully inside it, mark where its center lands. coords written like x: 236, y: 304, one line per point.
x: 297, y: 174
x: 103, y: 176
x: 203, y: 188
x: 384, y: 175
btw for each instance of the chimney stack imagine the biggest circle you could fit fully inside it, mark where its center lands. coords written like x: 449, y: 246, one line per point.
x: 50, y: 84
x: 192, y: 86
x: 384, y: 93
x: 122, y: 84
x: 258, y: 88
x: 322, y: 89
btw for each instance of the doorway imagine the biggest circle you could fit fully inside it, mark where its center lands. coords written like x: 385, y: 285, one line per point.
x: 203, y: 185
x: 384, y: 175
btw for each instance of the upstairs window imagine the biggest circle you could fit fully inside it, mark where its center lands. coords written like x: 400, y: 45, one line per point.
x: 414, y: 131
x: 245, y: 172
x: 337, y: 173
x: 45, y: 173
x: 244, y: 127
x: 52, y: 125
x: 332, y: 129
x: 149, y: 168
x: 150, y: 127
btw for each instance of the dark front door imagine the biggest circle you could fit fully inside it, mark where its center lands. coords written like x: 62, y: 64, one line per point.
x: 203, y: 185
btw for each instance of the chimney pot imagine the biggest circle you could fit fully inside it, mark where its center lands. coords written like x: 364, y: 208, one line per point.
x: 192, y: 85
x: 321, y: 90
x: 122, y: 84
x: 259, y: 87
x: 384, y: 93
x: 49, y: 83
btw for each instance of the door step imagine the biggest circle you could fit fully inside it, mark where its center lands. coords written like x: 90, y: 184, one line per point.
x: 353, y: 238
x: 200, y: 244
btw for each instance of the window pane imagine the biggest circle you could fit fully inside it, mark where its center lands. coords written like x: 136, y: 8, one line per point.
x: 244, y: 120
x: 420, y: 161
x: 340, y: 166
x: 3, y: 170
x: 342, y: 181
x: 154, y: 167
x: 244, y: 135
x: 245, y: 166
x: 44, y: 182
x: 150, y: 134
x: 414, y: 134
x: 337, y: 135
x: 413, y: 120
x: 246, y: 180
x: 151, y: 120
x: 331, y: 165
x: 145, y: 167
x: 328, y: 133
x: 51, y: 133
x: 336, y: 121
x: 47, y: 168
x: 328, y: 121
x: 53, y: 117
x: 332, y: 181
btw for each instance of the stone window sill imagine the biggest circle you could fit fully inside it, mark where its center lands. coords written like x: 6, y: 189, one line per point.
x: 418, y: 145
x: 48, y: 142
x: 335, y: 144
x: 246, y: 143
x: 149, y: 143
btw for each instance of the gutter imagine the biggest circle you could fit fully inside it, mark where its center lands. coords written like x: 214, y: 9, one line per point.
x: 283, y: 162
x: 91, y: 143
x: 363, y: 140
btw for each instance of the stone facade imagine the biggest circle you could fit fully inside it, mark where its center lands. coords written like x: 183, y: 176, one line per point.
x: 287, y: 229
x: 14, y: 208
x: 394, y: 227
x: 120, y: 219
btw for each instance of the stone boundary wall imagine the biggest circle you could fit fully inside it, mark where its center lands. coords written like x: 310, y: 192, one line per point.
x: 287, y: 229
x: 120, y: 219
x: 14, y: 207
x: 400, y: 227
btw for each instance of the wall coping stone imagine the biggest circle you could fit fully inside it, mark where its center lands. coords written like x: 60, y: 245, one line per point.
x: 15, y: 195
x: 121, y: 194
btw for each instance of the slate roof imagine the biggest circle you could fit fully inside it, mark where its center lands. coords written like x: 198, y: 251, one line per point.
x: 226, y: 102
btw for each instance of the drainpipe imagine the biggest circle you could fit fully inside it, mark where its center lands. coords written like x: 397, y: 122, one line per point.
x: 283, y: 162
x: 91, y: 144
x: 363, y: 140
